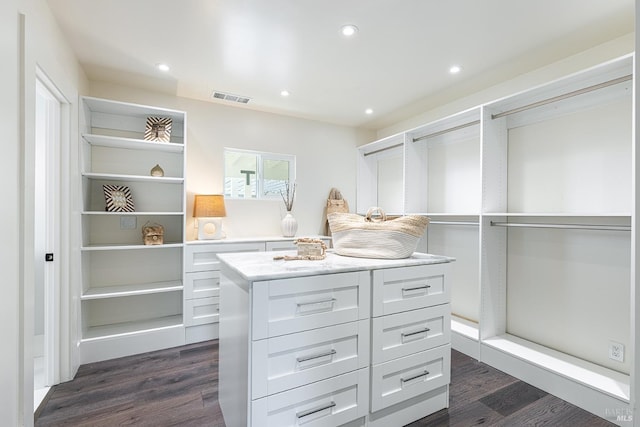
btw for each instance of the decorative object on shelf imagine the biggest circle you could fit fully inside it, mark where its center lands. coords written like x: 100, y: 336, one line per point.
x: 335, y: 203
x: 308, y: 249
x: 153, y: 234
x: 373, y: 236
x: 158, y: 129
x: 157, y: 171
x: 118, y: 198
x: 289, y: 224
x: 209, y: 210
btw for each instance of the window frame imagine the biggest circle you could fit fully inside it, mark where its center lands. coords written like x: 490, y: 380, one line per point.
x: 261, y: 156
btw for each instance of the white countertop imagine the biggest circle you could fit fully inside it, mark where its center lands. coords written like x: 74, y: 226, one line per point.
x: 252, y: 239
x: 256, y: 266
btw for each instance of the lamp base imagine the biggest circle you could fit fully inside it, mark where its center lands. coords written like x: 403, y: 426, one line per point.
x: 210, y: 229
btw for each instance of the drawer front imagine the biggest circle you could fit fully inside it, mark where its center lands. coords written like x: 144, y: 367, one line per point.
x: 202, y: 284
x: 401, y: 334
x: 201, y: 311
x: 205, y: 257
x: 282, y: 363
x: 401, y: 379
x: 409, y: 288
x: 326, y: 403
x: 299, y: 304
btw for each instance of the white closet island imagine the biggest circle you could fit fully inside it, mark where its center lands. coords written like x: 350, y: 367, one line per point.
x: 341, y: 341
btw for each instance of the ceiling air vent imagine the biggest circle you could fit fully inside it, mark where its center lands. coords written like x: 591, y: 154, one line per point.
x: 231, y: 97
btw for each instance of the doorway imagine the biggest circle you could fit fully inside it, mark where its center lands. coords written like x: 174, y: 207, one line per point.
x: 46, y: 331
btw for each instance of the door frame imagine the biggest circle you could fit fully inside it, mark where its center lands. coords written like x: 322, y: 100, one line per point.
x: 60, y: 299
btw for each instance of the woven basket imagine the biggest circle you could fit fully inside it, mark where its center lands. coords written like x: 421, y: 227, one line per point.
x: 368, y: 237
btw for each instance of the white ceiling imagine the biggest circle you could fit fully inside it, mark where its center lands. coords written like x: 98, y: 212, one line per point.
x: 400, y: 56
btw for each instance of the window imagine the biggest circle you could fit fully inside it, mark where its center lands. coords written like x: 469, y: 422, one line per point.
x: 256, y: 175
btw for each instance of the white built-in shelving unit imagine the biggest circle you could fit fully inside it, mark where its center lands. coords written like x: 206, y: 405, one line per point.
x: 131, y: 296
x: 532, y: 194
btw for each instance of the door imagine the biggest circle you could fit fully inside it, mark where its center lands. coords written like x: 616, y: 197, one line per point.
x: 46, y: 342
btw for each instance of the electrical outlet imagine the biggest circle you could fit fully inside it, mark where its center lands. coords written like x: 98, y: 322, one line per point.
x: 616, y: 351
x: 128, y: 222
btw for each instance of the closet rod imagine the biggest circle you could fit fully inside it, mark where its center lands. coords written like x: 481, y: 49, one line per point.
x: 563, y: 226
x: 383, y: 149
x: 442, y: 132
x: 563, y: 96
x: 454, y: 223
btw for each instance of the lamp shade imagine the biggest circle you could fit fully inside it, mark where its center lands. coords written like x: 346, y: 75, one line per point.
x: 209, y: 206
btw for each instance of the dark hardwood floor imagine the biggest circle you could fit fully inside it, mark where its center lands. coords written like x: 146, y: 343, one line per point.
x: 179, y: 387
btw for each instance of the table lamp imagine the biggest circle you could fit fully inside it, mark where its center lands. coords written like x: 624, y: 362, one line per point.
x: 209, y: 210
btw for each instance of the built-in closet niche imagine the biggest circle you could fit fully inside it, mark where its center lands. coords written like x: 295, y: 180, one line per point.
x: 558, y: 214
x: 380, y: 175
x: 436, y: 172
x: 443, y: 182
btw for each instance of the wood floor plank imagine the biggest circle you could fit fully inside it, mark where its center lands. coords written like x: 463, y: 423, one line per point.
x: 553, y: 411
x: 512, y: 398
x: 179, y: 387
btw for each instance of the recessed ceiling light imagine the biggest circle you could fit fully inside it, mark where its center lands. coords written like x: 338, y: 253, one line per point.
x: 455, y: 69
x: 349, y: 30
x: 163, y: 67
x: 368, y: 111
x: 284, y: 93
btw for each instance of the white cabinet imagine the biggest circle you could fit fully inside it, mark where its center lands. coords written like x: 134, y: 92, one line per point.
x: 532, y: 194
x: 364, y: 347
x: 202, y: 279
x: 131, y: 296
x: 411, y: 351
x: 202, y: 286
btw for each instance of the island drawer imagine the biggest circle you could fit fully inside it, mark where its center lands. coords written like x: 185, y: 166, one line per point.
x: 203, y: 257
x: 202, y: 284
x: 330, y: 402
x: 201, y: 311
x: 401, y: 334
x: 298, y: 304
x: 401, y: 379
x: 408, y: 288
x: 286, y: 362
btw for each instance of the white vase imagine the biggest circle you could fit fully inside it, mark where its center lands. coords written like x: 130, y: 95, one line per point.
x: 289, y: 225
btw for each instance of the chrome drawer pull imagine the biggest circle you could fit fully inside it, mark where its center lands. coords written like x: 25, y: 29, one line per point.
x: 324, y: 301
x: 404, y: 380
x: 416, y: 288
x: 317, y: 356
x: 313, y: 411
x: 422, y: 331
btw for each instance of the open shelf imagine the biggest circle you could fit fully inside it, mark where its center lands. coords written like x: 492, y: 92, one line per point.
x: 132, y: 178
x: 130, y: 290
x: 116, y: 247
x: 132, y: 294
x: 136, y: 213
x: 131, y: 328
x: 589, y: 374
x: 132, y: 143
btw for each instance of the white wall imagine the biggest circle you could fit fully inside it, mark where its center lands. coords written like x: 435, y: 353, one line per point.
x: 37, y: 41
x: 10, y: 214
x: 325, y: 158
